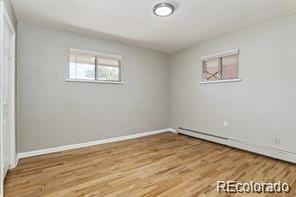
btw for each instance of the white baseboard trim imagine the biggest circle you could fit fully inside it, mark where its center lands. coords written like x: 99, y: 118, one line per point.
x: 15, y: 163
x: 267, y: 151
x: 251, y: 147
x: 92, y: 143
x: 172, y: 130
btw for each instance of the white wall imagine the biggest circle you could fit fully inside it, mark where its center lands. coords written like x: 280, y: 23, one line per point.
x: 261, y: 107
x: 52, y: 112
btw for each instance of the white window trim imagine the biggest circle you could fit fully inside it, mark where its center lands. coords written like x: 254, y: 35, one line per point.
x: 220, y: 54
x: 94, y: 81
x: 221, y: 81
x: 103, y: 55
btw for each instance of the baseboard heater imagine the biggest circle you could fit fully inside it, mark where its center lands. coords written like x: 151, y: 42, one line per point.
x: 203, y: 133
x: 236, y: 143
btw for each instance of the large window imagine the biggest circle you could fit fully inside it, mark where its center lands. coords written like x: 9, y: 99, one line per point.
x: 220, y: 67
x: 92, y: 66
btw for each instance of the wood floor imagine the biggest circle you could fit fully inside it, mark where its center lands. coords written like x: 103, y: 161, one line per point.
x: 160, y: 165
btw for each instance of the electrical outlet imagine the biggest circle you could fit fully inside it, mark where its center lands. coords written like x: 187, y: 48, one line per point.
x: 225, y: 123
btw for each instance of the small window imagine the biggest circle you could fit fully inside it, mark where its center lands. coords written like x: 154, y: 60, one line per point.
x: 92, y: 66
x: 220, y: 67
x: 229, y: 67
x: 212, y: 70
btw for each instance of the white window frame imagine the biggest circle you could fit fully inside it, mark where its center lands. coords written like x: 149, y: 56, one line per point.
x: 218, y: 56
x: 98, y: 54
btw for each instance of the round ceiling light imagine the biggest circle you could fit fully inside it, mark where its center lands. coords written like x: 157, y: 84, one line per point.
x: 163, y: 9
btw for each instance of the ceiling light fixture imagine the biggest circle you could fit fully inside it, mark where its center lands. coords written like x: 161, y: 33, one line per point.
x: 163, y: 9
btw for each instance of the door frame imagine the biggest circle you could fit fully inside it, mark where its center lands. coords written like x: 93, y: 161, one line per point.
x: 4, y: 17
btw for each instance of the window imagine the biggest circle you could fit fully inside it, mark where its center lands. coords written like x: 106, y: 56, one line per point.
x: 212, y: 70
x: 222, y: 67
x: 92, y: 66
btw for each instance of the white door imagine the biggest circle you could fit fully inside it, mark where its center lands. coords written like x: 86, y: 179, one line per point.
x: 7, y: 95
x: 7, y: 92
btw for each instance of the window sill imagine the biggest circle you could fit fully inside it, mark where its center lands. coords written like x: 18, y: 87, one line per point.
x: 220, y: 81
x: 94, y: 81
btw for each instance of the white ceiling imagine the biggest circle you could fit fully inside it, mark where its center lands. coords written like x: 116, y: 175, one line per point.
x: 132, y: 21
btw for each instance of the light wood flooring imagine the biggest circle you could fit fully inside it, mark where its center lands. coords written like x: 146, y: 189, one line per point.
x: 165, y: 164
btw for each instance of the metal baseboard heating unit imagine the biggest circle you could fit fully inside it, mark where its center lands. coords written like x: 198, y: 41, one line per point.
x: 203, y: 133
x: 241, y: 144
